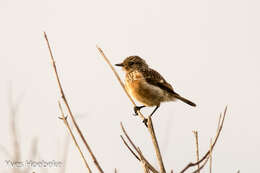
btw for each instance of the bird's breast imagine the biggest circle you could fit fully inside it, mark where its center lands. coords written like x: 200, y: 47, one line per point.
x: 134, y: 83
x: 142, y: 91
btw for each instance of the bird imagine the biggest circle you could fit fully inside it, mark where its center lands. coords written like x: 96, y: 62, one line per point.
x: 147, y: 85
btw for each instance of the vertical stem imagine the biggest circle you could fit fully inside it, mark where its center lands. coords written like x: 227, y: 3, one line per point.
x: 73, y: 137
x: 197, y: 148
x: 210, y: 156
x: 156, y: 146
x: 145, y: 167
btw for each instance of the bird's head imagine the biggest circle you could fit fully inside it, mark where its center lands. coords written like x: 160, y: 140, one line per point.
x: 132, y: 63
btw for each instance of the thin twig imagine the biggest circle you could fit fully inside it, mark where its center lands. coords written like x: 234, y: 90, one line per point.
x: 129, y: 139
x: 202, y: 166
x: 197, y: 147
x: 215, y: 140
x: 13, y: 129
x: 129, y: 148
x: 210, y: 157
x: 145, y: 167
x: 156, y: 146
x: 68, y: 107
x: 73, y: 137
x: 136, y: 149
x: 219, y: 121
x: 120, y: 81
x: 14, y: 132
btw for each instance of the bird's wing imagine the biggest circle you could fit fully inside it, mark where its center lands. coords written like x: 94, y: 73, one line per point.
x: 154, y: 78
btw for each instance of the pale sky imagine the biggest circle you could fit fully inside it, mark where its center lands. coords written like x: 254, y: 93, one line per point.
x: 208, y: 50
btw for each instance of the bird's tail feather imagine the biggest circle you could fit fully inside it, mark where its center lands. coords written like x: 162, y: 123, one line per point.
x: 185, y: 100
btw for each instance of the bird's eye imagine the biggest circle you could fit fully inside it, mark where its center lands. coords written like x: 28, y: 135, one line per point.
x: 131, y: 63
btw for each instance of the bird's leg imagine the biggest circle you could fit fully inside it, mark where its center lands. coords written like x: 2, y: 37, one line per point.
x: 137, y: 108
x: 154, y: 110
x: 146, y: 120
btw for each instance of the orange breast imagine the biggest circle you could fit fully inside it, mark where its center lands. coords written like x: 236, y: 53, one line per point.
x: 144, y: 93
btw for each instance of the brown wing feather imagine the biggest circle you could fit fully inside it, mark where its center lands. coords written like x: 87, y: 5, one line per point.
x: 154, y: 78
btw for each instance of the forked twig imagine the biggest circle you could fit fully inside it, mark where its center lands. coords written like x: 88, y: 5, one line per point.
x: 202, y: 166
x: 65, y: 153
x: 136, y: 149
x: 213, y: 144
x: 73, y: 137
x: 145, y: 167
x: 68, y: 107
x: 130, y: 149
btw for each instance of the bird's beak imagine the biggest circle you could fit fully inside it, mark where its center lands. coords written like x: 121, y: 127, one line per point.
x: 121, y: 64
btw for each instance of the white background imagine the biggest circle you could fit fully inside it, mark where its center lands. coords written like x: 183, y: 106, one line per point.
x: 208, y: 51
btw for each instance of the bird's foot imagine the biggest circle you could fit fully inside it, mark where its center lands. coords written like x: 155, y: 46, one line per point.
x: 145, y: 122
x: 65, y: 118
x: 137, y: 108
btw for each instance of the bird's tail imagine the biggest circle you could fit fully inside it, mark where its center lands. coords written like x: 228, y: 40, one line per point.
x: 185, y: 100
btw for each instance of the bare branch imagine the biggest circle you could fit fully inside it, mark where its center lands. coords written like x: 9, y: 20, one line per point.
x: 197, y: 147
x: 147, y: 163
x: 219, y: 121
x: 68, y: 108
x: 136, y: 149
x: 202, y: 166
x: 215, y: 140
x: 13, y: 107
x: 129, y: 139
x: 210, y: 157
x: 73, y: 137
x: 129, y: 148
x: 145, y: 167
x: 13, y: 112
x: 155, y: 144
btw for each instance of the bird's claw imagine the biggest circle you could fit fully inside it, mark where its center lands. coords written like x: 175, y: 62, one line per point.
x: 136, y: 108
x: 63, y: 118
x: 145, y: 122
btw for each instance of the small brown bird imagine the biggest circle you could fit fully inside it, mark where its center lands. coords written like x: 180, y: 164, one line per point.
x: 147, y: 85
